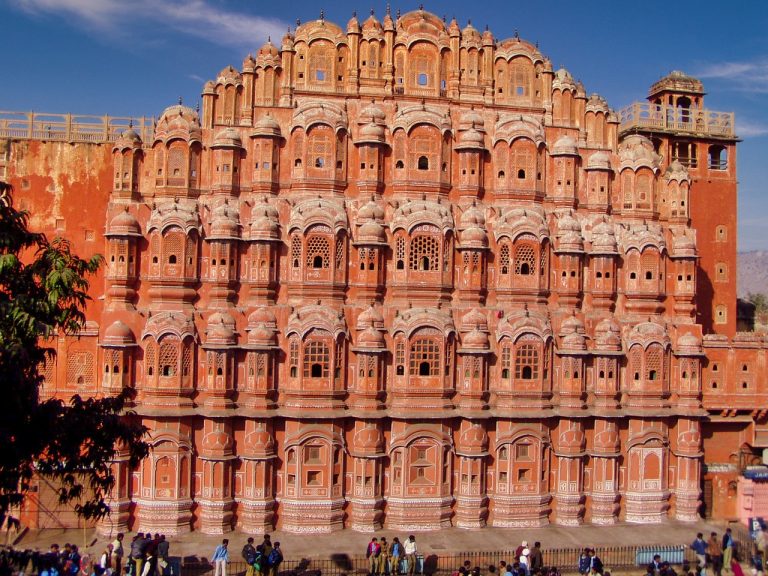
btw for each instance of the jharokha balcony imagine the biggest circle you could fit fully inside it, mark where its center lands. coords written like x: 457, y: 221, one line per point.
x: 649, y: 116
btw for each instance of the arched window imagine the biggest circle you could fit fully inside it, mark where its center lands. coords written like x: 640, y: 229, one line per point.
x: 525, y: 259
x: 424, y: 356
x: 423, y: 163
x: 318, y: 252
x: 424, y: 254
x: 169, y: 356
x: 317, y: 359
x: 718, y: 157
x: 527, y: 362
x: 654, y: 362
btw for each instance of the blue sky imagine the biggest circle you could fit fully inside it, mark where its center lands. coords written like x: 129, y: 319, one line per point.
x: 135, y: 57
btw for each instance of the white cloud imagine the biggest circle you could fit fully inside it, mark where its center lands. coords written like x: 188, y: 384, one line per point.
x: 750, y: 76
x: 192, y: 17
x: 746, y: 129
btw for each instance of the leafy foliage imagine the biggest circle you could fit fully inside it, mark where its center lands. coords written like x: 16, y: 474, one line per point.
x: 43, y: 291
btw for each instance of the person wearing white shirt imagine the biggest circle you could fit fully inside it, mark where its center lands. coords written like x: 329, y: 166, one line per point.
x: 410, y: 554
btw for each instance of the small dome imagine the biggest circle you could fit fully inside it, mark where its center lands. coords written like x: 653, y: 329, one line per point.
x: 608, y: 335
x: 372, y: 25
x: 604, y: 239
x: 597, y: 103
x: 372, y: 132
x: 372, y: 112
x: 565, y: 146
x: 473, y: 440
x: 573, y: 334
x: 124, y: 224
x: 371, y: 233
x: 472, y: 217
x: 683, y: 245
x: 563, y: 80
x: 474, y: 237
x: 471, y: 139
x: 209, y: 88
x: 370, y: 317
x: 470, y: 33
x: 637, y: 151
x: 475, y: 340
x: 689, y: 344
x: 129, y: 139
x: 118, y: 334
x: 353, y: 25
x: 677, y: 172
x: 259, y: 442
x: 599, y: 161
x: 227, y: 138
x: 371, y: 338
x: 262, y: 315
x: 267, y: 126
x: 265, y: 222
x: 178, y: 121
x: 369, y: 439
x: 269, y: 49
x: 220, y: 330
x: 229, y: 75
x: 453, y: 28
x: 224, y: 222
x: 262, y: 326
x: 474, y: 320
x: 370, y: 211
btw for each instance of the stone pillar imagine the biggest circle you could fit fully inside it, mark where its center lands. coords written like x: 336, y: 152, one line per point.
x: 216, y: 502
x: 688, y: 481
x: 605, y: 472
x: 367, y: 498
x: 569, y: 496
x: 256, y: 500
x: 471, y: 498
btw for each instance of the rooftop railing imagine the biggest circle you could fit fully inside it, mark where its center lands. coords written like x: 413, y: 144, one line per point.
x: 691, y: 120
x: 71, y: 127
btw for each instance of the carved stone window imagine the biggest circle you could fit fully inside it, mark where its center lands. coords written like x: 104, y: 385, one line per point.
x: 424, y: 356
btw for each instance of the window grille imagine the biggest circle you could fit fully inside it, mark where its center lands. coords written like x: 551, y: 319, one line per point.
x: 424, y: 357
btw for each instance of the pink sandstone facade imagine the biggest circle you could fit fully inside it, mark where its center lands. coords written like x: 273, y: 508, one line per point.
x: 403, y: 274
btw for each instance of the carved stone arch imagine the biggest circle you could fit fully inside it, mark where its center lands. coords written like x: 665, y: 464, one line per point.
x: 318, y: 211
x: 411, y: 214
x: 509, y: 127
x: 314, y: 113
x: 307, y: 318
x: 411, y: 320
x: 408, y: 117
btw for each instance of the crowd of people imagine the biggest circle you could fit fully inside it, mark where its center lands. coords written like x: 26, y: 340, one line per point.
x: 261, y: 560
x: 146, y: 556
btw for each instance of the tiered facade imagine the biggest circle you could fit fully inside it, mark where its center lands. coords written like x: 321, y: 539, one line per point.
x: 406, y: 275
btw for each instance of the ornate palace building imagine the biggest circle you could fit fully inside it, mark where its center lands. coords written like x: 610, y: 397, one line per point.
x: 403, y: 274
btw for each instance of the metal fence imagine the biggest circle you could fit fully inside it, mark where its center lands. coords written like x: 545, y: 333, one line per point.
x: 564, y: 559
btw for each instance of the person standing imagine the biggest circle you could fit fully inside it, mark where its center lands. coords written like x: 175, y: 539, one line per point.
x: 715, y: 554
x: 275, y: 559
x: 117, y: 554
x: 536, y: 558
x: 595, y: 564
x: 220, y: 558
x: 163, y: 550
x: 249, y: 555
x: 700, y: 548
x: 410, y: 554
x: 384, y: 560
x: 396, y: 554
x: 727, y: 549
x: 584, y: 562
x: 372, y: 552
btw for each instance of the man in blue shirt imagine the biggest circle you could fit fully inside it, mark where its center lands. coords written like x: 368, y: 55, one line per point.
x: 220, y: 558
x: 700, y: 547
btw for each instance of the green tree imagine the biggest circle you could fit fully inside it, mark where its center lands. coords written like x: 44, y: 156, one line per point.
x: 43, y: 292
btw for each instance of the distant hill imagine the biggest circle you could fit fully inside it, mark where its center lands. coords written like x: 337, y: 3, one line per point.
x: 753, y: 273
